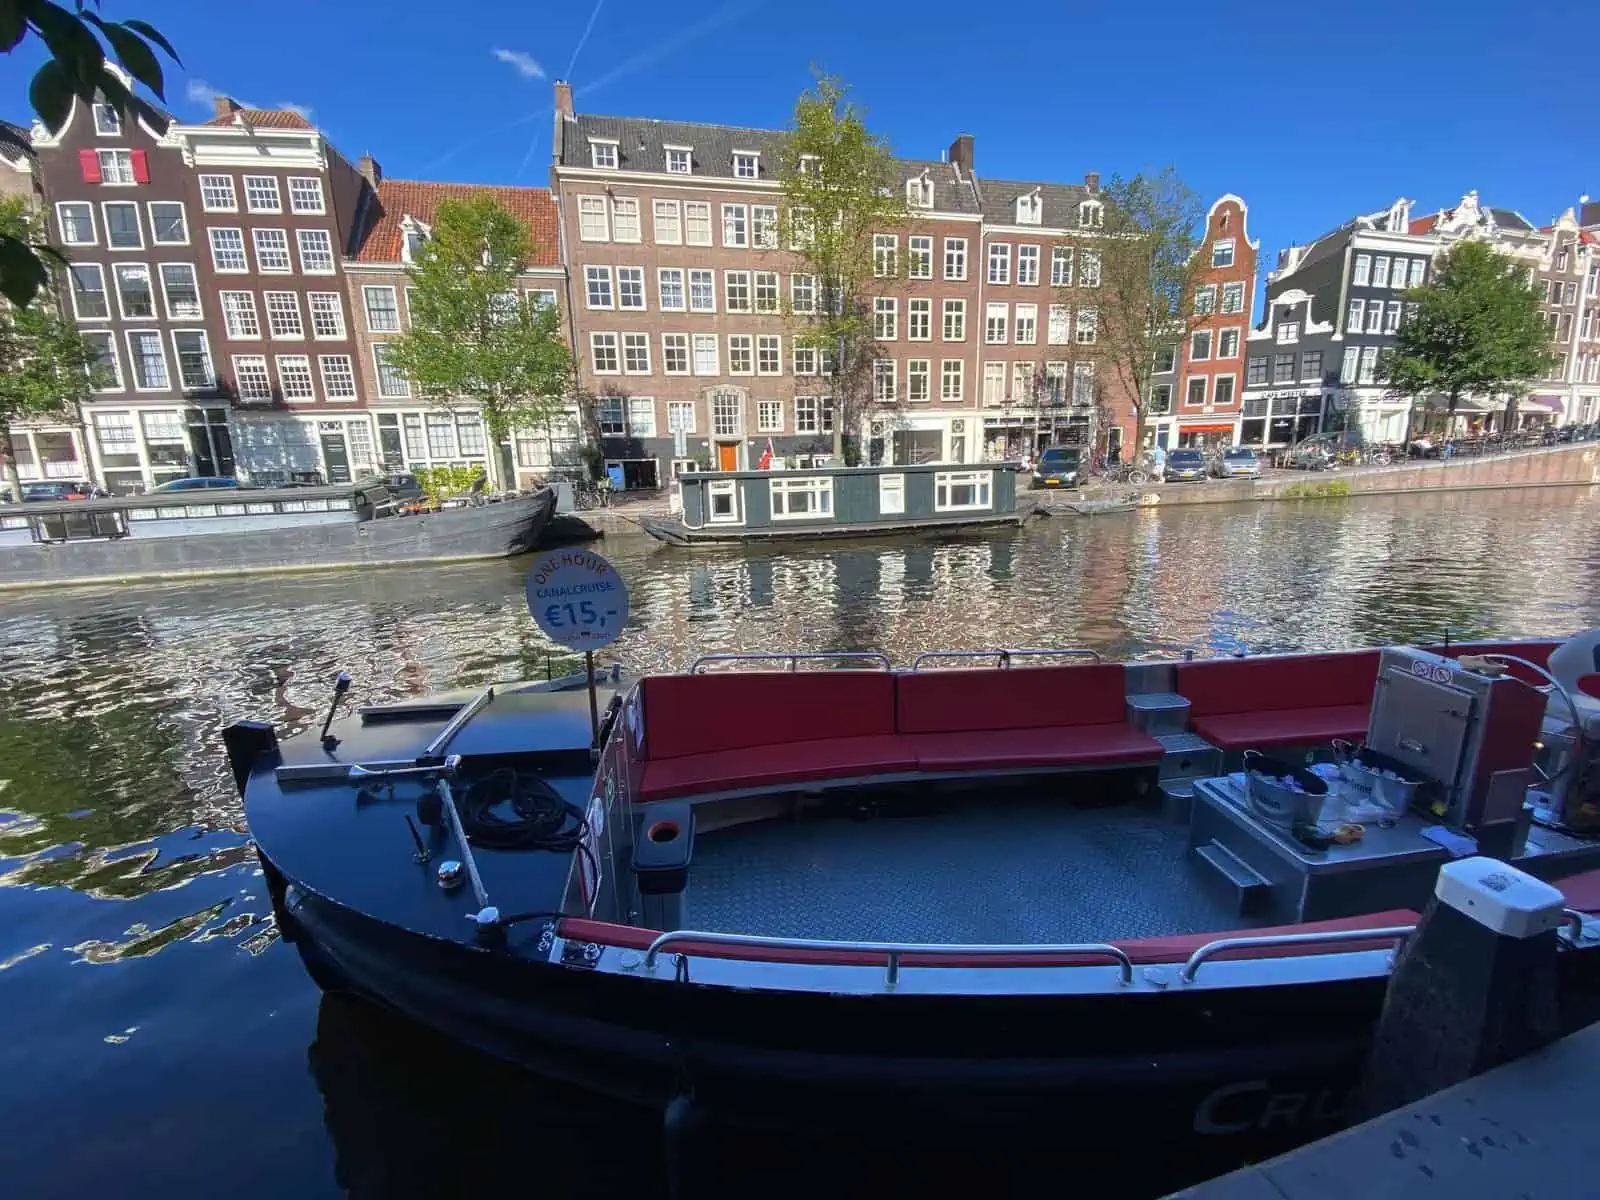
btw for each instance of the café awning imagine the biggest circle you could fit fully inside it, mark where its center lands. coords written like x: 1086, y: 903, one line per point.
x: 1206, y: 427
x: 1550, y: 403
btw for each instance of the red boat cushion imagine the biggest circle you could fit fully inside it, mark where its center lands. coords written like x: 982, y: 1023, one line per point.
x: 1253, y: 685
x: 1023, y: 698
x: 1589, y: 685
x: 700, y: 714
x: 1068, y: 746
x: 1581, y: 891
x: 1283, y: 727
x: 774, y: 766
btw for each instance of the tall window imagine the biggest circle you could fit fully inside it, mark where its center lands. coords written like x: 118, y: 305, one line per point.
x: 593, y: 223
x: 283, y: 314
x: 227, y: 251
x: 994, y: 383
x: 769, y: 416
x: 261, y: 194
x: 1088, y: 326
x: 705, y: 354
x: 134, y: 295
x: 338, y: 377
x: 167, y: 226
x: 919, y: 319
x: 383, y: 311
x: 766, y: 291
x: 1228, y: 344
x: 741, y: 354
x: 769, y: 354
x: 885, y: 255
x: 106, y: 121
x: 764, y: 226
x: 702, y: 291
x: 148, y: 362
x: 1233, y: 297
x: 803, y: 293
x: 316, y: 251
x: 182, y: 291
x: 272, y: 250
x: 1027, y: 264
x: 883, y: 380
x: 122, y: 226
x: 675, y: 353
x: 1083, y: 383
x: 597, y: 287
x: 999, y: 262
x: 636, y: 353
x: 251, y: 378
x: 294, y: 377
x: 727, y: 413
x: 327, y: 314
x: 1089, y: 269
x: 1283, y: 368
x: 630, y: 287
x: 1205, y: 299
x: 955, y: 320
x: 603, y: 353
x: 239, y: 314
x: 668, y: 223
x: 1380, y: 271
x: 997, y: 319
x: 1060, y: 332
x: 920, y: 256
x: 952, y: 372
x: 1200, y: 345
x: 669, y: 286
x: 305, y: 195
x: 1419, y: 271
x: 885, y: 318
x: 217, y: 195
x: 1061, y: 266
x: 1363, y: 270
x: 735, y: 225
x: 697, y: 223
x: 76, y: 222
x: 918, y: 381
x: 1223, y: 396
x: 736, y: 285
x: 1027, y: 330
x: 955, y: 258
x: 625, y: 219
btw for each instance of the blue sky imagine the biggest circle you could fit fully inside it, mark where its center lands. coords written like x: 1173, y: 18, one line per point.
x: 1310, y: 112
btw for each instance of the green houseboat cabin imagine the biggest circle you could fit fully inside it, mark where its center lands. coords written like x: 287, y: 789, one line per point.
x: 824, y: 502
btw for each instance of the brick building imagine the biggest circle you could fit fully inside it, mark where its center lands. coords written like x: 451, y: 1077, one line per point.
x: 411, y: 433
x: 683, y: 303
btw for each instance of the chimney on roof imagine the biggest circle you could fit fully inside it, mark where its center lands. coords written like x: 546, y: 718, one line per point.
x: 370, y: 170
x: 563, y: 98
x: 226, y: 106
x: 961, y: 153
x: 1091, y: 182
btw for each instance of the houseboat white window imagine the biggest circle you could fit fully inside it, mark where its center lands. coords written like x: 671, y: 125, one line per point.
x: 891, y: 494
x: 956, y: 490
x: 722, y: 502
x: 796, y: 499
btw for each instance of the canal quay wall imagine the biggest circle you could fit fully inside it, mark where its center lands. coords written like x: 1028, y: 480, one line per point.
x: 1555, y: 466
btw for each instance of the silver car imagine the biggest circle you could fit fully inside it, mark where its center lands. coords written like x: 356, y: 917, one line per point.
x: 1236, y: 462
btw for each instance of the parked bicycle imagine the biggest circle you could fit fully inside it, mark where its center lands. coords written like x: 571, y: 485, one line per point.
x: 588, y: 494
x: 1124, y: 473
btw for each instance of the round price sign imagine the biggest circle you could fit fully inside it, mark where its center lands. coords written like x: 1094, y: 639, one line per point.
x: 578, y: 598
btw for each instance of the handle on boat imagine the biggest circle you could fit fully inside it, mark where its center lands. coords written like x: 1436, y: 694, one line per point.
x: 878, y: 659
x: 891, y: 950
x: 1210, y: 949
x: 1004, y: 657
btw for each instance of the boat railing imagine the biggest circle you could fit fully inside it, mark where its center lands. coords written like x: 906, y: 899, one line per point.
x: 1004, y: 659
x: 1198, y: 959
x: 892, y: 952
x: 879, y: 660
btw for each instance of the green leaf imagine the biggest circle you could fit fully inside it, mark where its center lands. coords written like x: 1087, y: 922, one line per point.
x: 151, y: 34
x: 136, y: 56
x: 50, y: 93
x: 22, y: 274
x: 71, y: 44
x: 13, y: 25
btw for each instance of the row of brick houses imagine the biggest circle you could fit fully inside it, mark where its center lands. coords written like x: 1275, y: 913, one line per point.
x: 240, y: 278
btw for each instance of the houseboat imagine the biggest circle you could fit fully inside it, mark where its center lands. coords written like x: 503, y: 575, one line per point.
x: 214, y: 531
x: 983, y: 885
x: 840, y: 502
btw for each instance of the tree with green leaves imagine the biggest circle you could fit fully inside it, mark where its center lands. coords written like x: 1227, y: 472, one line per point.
x: 76, y: 69
x: 47, y: 368
x: 1150, y: 269
x: 474, y: 338
x: 1477, y: 330
x: 841, y: 186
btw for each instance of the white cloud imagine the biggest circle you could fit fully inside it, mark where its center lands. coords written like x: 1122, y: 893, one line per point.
x: 202, y: 95
x: 521, y: 62
x: 304, y: 110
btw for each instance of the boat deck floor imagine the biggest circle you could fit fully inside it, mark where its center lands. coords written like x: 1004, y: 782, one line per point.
x: 1016, y: 871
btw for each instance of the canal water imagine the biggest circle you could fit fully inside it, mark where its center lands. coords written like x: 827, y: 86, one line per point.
x: 157, y: 1039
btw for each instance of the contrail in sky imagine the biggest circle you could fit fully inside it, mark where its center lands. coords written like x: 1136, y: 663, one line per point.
x: 584, y: 40
x: 666, y: 46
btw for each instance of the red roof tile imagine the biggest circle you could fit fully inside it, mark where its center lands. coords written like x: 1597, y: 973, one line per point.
x: 1423, y: 224
x: 397, y: 198
x: 266, y: 118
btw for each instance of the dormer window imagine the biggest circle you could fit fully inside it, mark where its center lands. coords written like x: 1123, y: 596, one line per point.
x: 1030, y: 208
x: 746, y: 164
x: 603, y: 154
x: 1090, y: 215
x: 808, y: 164
x: 680, y: 160
x: 1222, y: 253
x: 413, y: 236
x: 106, y: 121
x: 919, y: 191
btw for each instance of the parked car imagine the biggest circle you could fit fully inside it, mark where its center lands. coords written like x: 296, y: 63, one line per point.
x: 60, y: 489
x: 1059, y: 466
x: 198, y: 483
x: 1184, y: 466
x: 1236, y: 462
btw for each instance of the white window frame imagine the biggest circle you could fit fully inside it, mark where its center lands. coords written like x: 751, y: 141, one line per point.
x: 214, y: 183
x: 696, y: 211
x: 944, y: 483
x: 1061, y: 266
x: 166, y: 298
x: 736, y: 226
x: 767, y: 287
x: 596, y: 280
x: 994, y: 384
x: 919, y: 316
x: 310, y: 377
x: 891, y: 494
x: 1200, y: 345
x: 612, y: 153
x: 328, y: 392
x: 244, y: 252
x: 111, y: 353
x: 105, y: 224
x: 277, y: 194
x: 769, y: 346
x: 257, y: 237
x: 818, y: 487
x: 1058, y: 329
x: 708, y: 284
x: 764, y: 226
x: 183, y: 214
x: 210, y: 382
x: 1189, y: 390
x: 765, y: 409
x: 1362, y: 271
x: 133, y: 360
x: 317, y: 209
x: 61, y: 225
x: 337, y: 309
x: 117, y: 270
x: 674, y: 166
x: 614, y: 347
x: 266, y: 311
x: 625, y: 215
x: 919, y: 369
x: 998, y: 258
x: 885, y: 255
x: 1217, y: 249
x: 679, y: 276
x: 114, y: 125
x: 1205, y: 300
x: 957, y: 376
x: 1089, y: 268
x: 668, y: 232
x: 238, y: 375
x: 1287, y: 333
x: 1027, y: 265
x: 1217, y: 399
x: 885, y: 380
x: 366, y: 305
x: 229, y: 313
x: 723, y: 487
x: 1233, y: 334
x: 1025, y: 325
x: 738, y: 292
x: 636, y: 343
x: 1232, y: 298
x: 634, y: 275
x: 1086, y: 329
x: 885, y: 318
x: 592, y: 209
x: 117, y: 160
x: 954, y: 313
x: 746, y: 164
x: 741, y: 354
x: 679, y: 341
x: 996, y: 323
x: 300, y: 238
x: 704, y: 341
x: 675, y: 423
x: 1380, y: 270
x: 955, y: 259
x: 806, y: 283
x: 919, y: 257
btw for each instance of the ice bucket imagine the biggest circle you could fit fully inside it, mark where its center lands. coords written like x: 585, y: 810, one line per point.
x: 1275, y: 801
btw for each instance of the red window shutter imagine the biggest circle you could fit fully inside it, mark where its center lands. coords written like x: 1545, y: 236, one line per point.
x: 141, y: 167
x: 89, y: 163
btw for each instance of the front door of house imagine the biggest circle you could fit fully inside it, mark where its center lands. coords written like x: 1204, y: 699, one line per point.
x: 335, y: 454
x: 727, y: 456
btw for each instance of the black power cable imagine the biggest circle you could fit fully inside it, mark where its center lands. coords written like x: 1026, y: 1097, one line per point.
x: 539, y: 818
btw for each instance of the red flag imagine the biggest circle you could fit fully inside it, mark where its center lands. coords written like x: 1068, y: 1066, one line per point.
x: 765, y: 462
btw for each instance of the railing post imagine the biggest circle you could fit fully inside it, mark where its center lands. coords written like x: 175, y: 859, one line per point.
x: 892, y: 973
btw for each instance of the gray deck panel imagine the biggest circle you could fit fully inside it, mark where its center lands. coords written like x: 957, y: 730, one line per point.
x: 1013, y: 872
x: 1525, y: 1131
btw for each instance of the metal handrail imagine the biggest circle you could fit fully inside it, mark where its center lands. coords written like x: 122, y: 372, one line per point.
x: 879, y: 659
x: 1004, y: 657
x: 892, y: 950
x: 1195, y: 960
x: 1573, y: 920
x: 454, y: 725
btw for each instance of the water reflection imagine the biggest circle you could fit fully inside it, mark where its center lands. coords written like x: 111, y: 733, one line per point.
x: 130, y: 897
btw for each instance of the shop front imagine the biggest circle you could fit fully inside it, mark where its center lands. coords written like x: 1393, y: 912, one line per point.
x: 1280, y: 418
x: 134, y: 450
x: 1203, y: 435
x: 49, y: 452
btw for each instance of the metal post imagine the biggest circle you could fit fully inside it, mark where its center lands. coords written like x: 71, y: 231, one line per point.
x: 594, y: 702
x: 453, y: 816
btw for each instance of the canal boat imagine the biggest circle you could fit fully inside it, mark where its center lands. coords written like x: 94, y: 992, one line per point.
x: 237, y: 530
x: 813, y: 889
x: 716, y: 507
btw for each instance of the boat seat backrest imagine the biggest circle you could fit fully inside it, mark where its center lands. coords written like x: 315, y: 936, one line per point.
x: 701, y: 714
x: 1215, y: 686
x: 1020, y: 698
